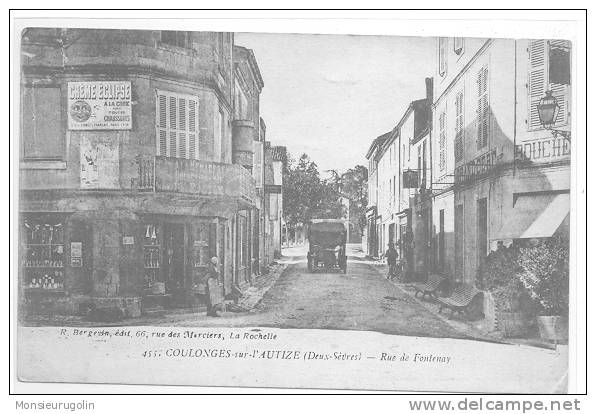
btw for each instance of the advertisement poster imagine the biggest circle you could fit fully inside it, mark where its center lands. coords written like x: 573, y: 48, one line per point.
x: 99, y: 161
x: 99, y: 105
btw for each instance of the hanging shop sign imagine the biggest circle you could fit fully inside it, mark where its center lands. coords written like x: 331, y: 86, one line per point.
x: 99, y: 105
x: 410, y: 179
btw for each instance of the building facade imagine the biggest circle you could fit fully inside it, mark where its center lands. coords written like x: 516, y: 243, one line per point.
x: 499, y: 176
x: 399, y: 182
x: 136, y: 167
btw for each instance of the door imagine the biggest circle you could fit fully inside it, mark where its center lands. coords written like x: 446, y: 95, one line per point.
x: 174, y: 256
x: 442, y: 242
x: 459, y: 242
x: 482, y: 240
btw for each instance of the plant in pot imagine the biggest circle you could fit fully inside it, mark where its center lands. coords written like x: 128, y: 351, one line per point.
x: 499, y: 275
x: 545, y: 274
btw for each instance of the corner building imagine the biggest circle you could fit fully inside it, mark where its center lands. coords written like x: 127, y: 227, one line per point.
x: 134, y: 168
x: 498, y: 174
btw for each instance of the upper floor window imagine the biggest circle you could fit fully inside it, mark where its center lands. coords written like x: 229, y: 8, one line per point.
x: 442, y: 56
x: 549, y: 68
x: 458, y: 45
x: 483, y: 109
x: 177, y: 125
x: 176, y: 38
x: 241, y: 110
x: 41, y: 129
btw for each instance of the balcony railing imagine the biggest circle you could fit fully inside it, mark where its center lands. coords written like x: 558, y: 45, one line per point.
x: 179, y: 175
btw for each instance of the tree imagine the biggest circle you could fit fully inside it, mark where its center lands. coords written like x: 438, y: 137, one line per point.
x: 306, y: 195
x: 354, y: 186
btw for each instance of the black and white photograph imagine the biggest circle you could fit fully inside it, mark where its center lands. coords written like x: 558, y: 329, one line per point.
x: 294, y: 210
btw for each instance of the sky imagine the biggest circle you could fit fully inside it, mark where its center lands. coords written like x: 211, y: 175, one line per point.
x: 330, y: 95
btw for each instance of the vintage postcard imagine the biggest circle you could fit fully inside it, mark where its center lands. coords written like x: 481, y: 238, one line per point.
x: 317, y: 211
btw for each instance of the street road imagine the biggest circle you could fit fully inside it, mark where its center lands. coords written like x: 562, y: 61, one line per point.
x: 362, y: 299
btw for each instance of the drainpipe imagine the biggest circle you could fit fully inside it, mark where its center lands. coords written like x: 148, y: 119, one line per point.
x: 514, y: 103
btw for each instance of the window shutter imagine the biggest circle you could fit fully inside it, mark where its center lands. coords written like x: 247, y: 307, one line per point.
x: 458, y: 45
x: 442, y: 142
x: 172, y: 126
x: 483, y: 108
x: 442, y: 56
x: 182, y: 150
x: 537, y: 85
x: 459, y: 126
x: 177, y: 125
x: 161, y: 125
x: 193, y: 130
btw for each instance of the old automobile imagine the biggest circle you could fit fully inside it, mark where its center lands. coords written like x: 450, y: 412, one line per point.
x: 327, y: 245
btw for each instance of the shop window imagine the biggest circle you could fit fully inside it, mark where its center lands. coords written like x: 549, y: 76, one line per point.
x: 41, y: 134
x: 43, y: 253
x: 176, y: 38
x: 152, y: 251
x: 177, y: 125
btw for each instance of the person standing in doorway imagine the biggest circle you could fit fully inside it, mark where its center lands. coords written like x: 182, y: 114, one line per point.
x: 391, y: 255
x: 214, y: 297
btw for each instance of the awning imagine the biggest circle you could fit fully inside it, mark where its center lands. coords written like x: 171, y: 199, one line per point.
x: 536, y: 215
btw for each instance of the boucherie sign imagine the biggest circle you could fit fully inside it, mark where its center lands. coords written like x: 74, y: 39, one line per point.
x: 99, y: 105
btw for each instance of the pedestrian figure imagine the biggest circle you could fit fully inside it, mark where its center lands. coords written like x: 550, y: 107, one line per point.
x: 391, y: 255
x: 214, y: 297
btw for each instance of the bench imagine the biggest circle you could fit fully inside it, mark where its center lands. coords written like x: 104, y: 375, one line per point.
x: 430, y: 287
x: 460, y: 299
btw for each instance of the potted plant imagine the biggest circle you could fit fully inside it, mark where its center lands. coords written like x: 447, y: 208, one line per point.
x: 499, y: 275
x: 545, y: 274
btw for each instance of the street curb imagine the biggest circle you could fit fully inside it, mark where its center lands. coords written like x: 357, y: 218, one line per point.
x: 255, y: 297
x: 469, y: 332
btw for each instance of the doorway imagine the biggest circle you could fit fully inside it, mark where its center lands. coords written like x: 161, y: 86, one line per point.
x: 173, y: 256
x: 482, y: 240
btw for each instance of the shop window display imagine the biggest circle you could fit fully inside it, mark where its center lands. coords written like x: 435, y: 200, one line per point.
x: 152, y: 254
x: 43, y: 254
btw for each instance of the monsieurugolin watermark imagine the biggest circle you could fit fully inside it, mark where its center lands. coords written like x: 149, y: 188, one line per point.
x: 83, y: 405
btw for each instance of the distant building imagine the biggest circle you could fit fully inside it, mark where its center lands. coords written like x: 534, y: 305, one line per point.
x: 399, y: 178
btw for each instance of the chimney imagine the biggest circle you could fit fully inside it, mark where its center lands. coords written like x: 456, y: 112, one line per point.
x: 429, y: 90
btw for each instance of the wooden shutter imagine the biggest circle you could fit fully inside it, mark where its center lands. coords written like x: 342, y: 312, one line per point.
x: 537, y: 80
x: 458, y: 45
x: 161, y: 125
x: 182, y: 117
x: 177, y: 126
x: 459, y: 126
x: 442, y: 56
x: 193, y: 129
x: 483, y: 108
x: 173, y: 126
x: 442, y: 142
